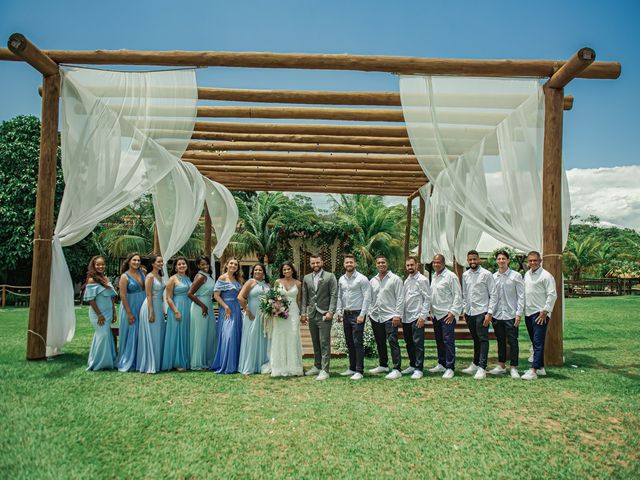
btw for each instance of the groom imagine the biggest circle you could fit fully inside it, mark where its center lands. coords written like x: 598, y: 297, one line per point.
x: 319, y: 297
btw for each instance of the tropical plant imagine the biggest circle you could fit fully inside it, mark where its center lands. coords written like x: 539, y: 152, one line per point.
x: 580, y: 255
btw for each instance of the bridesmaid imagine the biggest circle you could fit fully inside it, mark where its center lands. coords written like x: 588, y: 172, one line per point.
x: 132, y: 295
x: 253, y: 348
x: 203, y: 338
x: 152, y: 321
x: 229, y: 318
x: 176, y: 340
x: 101, y: 297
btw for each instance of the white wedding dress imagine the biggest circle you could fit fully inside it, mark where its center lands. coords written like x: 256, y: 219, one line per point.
x: 286, y: 346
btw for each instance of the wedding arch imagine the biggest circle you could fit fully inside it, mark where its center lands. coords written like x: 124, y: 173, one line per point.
x: 478, y: 142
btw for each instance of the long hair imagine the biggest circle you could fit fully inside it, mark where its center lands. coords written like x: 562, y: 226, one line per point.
x: 266, y: 277
x: 125, y: 265
x: 288, y: 263
x: 153, y: 259
x: 239, y: 276
x: 175, y: 264
x: 92, y: 273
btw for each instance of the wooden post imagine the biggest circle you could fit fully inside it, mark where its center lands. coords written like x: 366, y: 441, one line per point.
x: 4, y: 296
x: 156, y: 241
x: 43, y: 231
x: 407, y: 229
x: 420, y: 232
x: 207, y: 232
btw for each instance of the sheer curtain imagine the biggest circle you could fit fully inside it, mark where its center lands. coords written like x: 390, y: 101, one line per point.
x: 110, y: 156
x: 480, y: 142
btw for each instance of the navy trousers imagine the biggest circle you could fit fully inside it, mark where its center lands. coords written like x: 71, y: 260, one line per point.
x: 445, y: 342
x: 537, y: 334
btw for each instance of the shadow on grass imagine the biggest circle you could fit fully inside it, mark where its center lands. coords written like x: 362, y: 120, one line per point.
x: 66, y: 363
x: 592, y: 362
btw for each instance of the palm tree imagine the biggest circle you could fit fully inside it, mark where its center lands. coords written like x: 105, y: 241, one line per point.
x: 583, y: 254
x: 379, y: 229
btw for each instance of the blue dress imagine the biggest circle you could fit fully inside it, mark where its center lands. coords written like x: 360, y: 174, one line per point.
x: 230, y: 330
x: 176, y: 339
x: 151, y: 334
x: 129, y: 332
x: 203, y: 338
x: 253, y: 348
x: 103, y: 349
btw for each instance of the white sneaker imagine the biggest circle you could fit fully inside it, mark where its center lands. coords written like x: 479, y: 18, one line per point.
x: 514, y: 372
x: 393, y: 375
x: 437, y: 369
x: 472, y: 368
x: 448, y: 373
x: 498, y: 370
x: 378, y: 370
x: 312, y: 371
x: 408, y: 371
x: 541, y: 372
x: 417, y: 374
x: 530, y: 359
x: 356, y: 376
x: 347, y: 373
x: 322, y: 375
x: 529, y: 375
x: 481, y: 374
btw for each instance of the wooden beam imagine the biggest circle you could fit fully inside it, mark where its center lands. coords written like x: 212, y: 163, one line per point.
x: 552, y: 218
x: 351, y: 114
x: 350, y: 166
x: 207, y: 232
x: 43, y: 229
x: 156, y: 240
x: 325, y: 180
x: 23, y: 48
x: 295, y: 158
x: 367, y: 63
x: 295, y: 147
x: 407, y: 230
x: 315, y: 139
x: 303, y: 129
x: 353, y: 173
x: 291, y: 187
x: 571, y: 69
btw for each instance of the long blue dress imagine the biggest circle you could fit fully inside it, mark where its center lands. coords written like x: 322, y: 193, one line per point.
x: 253, y: 348
x: 230, y: 330
x: 151, y: 334
x: 176, y: 339
x: 203, y: 338
x: 102, y: 354
x: 129, y: 332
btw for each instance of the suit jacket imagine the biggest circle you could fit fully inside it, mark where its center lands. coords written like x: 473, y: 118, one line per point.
x: 323, y: 299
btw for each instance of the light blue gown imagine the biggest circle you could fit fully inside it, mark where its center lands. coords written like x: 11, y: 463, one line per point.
x: 151, y: 335
x: 129, y: 333
x: 204, y: 340
x: 176, y: 339
x: 102, y: 354
x: 253, y: 348
x: 230, y: 330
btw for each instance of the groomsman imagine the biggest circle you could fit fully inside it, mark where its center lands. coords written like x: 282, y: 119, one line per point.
x: 319, y: 297
x: 540, y: 297
x: 446, y: 306
x: 478, y: 303
x: 417, y: 298
x: 354, y: 298
x: 387, y: 305
x: 507, y: 314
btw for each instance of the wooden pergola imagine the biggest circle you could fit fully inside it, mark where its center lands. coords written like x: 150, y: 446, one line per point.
x: 305, y: 157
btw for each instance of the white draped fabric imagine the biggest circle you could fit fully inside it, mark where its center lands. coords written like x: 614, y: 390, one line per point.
x: 223, y: 211
x: 480, y: 143
x: 123, y: 134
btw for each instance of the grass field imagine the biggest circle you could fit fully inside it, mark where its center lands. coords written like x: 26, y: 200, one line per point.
x: 59, y: 421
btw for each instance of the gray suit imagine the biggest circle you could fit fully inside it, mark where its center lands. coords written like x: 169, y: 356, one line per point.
x: 315, y: 303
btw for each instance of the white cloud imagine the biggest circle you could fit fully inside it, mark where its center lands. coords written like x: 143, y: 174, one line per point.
x: 613, y: 194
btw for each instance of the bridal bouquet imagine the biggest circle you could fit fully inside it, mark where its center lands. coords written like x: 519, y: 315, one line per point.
x: 275, y: 304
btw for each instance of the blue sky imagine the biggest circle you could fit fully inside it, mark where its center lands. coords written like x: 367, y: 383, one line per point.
x: 600, y: 131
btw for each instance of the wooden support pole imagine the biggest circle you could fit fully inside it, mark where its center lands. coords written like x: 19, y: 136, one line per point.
x: 407, y: 230
x: 421, y: 231
x: 43, y: 230
x: 552, y: 218
x: 207, y: 232
x: 571, y: 69
x: 296, y: 147
x: 4, y: 296
x: 22, y: 47
x: 367, y: 63
x: 156, y: 241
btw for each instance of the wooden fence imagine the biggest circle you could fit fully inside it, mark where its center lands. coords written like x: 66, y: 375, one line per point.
x: 601, y: 287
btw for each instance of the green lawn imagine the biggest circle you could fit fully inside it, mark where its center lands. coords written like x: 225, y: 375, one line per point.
x: 59, y: 421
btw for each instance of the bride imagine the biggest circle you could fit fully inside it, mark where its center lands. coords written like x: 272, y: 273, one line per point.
x: 286, y: 346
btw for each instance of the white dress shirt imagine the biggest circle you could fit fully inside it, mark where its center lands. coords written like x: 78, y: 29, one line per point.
x: 354, y: 293
x: 417, y: 298
x: 510, y: 294
x: 539, y: 291
x: 478, y: 292
x: 387, y: 297
x: 446, y: 294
